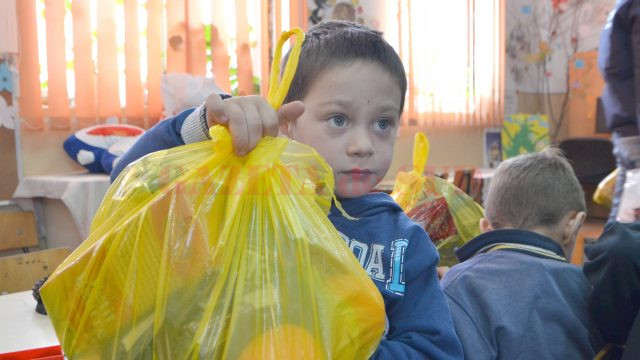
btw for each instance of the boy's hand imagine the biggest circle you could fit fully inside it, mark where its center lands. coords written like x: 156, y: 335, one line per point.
x: 442, y: 270
x: 249, y: 118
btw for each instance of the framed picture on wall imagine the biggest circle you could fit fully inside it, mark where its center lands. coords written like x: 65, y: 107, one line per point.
x: 524, y: 134
x: 8, y: 130
x: 492, y: 147
x: 366, y: 12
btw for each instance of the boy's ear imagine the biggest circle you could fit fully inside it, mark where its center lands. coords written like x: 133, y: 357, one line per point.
x: 572, y: 227
x: 485, y: 226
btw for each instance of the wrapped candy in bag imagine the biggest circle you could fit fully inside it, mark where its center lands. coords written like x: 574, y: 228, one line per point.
x: 448, y: 214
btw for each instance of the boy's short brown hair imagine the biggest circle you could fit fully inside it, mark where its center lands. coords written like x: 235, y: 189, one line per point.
x: 533, y: 190
x: 333, y: 43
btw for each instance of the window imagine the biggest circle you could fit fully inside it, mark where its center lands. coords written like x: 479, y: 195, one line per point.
x: 453, y: 55
x: 114, y: 53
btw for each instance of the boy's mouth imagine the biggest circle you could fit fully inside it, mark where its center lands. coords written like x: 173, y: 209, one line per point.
x: 358, y: 174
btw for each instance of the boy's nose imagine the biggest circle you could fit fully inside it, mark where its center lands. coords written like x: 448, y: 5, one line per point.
x: 360, y: 145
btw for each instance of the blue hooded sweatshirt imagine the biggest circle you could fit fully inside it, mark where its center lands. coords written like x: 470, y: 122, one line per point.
x: 396, y: 253
x: 401, y: 260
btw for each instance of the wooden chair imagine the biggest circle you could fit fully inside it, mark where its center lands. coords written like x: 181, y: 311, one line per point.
x: 577, y: 255
x: 590, y: 232
x: 467, y: 182
x: 17, y: 230
x: 20, y: 272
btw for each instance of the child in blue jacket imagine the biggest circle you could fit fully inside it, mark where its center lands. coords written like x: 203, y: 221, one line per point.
x: 345, y: 101
x: 514, y: 295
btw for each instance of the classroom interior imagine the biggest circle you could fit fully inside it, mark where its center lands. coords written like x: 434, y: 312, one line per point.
x: 103, y: 71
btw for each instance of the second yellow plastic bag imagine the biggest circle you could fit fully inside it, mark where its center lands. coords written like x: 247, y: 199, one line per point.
x: 449, y: 216
x: 604, y: 192
x: 197, y: 253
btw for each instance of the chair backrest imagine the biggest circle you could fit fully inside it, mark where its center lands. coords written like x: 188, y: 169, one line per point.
x: 20, y: 272
x: 601, y: 122
x: 591, y: 158
x: 17, y: 230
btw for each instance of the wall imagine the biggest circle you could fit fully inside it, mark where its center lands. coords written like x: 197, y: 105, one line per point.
x: 42, y: 153
x: 552, y: 49
x: 586, y: 86
x: 448, y: 147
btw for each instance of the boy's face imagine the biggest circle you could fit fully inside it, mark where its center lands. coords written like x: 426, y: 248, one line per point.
x: 351, y: 118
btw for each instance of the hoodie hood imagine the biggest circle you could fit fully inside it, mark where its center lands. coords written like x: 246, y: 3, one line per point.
x: 368, y: 205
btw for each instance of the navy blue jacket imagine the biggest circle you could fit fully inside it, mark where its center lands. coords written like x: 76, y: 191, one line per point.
x: 614, y: 270
x: 514, y: 296
x: 396, y: 253
x: 619, y: 62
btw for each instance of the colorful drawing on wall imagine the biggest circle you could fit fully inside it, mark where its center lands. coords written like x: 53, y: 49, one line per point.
x: 6, y: 77
x: 8, y: 121
x: 586, y: 86
x: 492, y: 147
x: 8, y: 114
x: 360, y: 11
x: 524, y: 133
x: 584, y: 75
x: 542, y: 36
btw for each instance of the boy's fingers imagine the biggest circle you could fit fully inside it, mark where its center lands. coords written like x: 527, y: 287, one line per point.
x: 216, y: 113
x: 238, y: 128
x: 254, y: 126
x: 290, y: 112
x: 269, y: 118
x: 442, y: 270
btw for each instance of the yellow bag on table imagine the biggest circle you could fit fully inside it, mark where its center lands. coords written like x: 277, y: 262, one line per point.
x: 448, y: 214
x: 196, y: 253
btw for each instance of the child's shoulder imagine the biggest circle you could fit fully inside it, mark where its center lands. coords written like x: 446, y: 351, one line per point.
x: 380, y: 207
x: 497, y: 268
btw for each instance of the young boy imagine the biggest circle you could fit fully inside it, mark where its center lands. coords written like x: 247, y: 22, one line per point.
x: 345, y: 101
x: 514, y: 295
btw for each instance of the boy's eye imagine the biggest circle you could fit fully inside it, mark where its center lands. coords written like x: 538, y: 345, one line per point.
x: 383, y: 124
x: 338, y: 120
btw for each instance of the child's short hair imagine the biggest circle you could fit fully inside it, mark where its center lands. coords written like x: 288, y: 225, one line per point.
x: 341, y: 42
x: 533, y: 190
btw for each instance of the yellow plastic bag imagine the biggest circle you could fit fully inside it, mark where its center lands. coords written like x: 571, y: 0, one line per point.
x: 198, y: 253
x: 604, y: 192
x: 449, y: 216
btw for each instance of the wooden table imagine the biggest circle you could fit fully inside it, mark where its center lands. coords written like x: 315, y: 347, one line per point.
x: 64, y: 205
